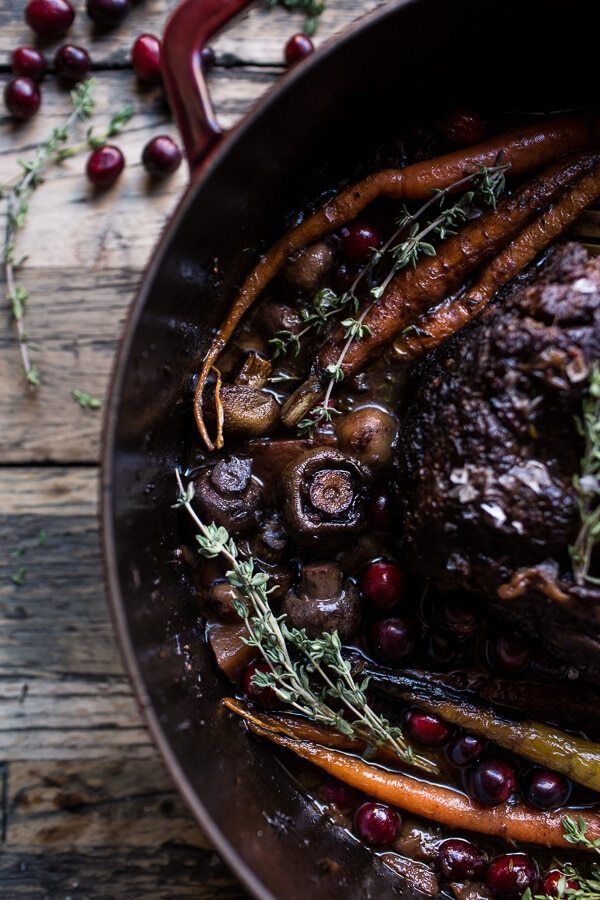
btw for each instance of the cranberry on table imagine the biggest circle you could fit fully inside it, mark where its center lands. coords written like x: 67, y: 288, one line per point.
x: 22, y: 97
x: 462, y: 127
x: 208, y: 58
x: 377, y: 824
x: 425, y: 728
x: 547, y: 790
x: 107, y: 12
x: 359, y: 240
x: 72, y: 63
x: 492, y: 782
x: 104, y: 166
x: 460, y: 860
x: 49, y: 18
x: 457, y: 614
x: 265, y: 697
x: 554, y: 881
x: 464, y: 749
x: 161, y: 156
x: 394, y: 640
x: 508, y: 654
x: 510, y: 875
x: 298, y: 47
x: 341, y: 795
x: 29, y: 62
x: 383, y: 584
x: 380, y: 512
x: 145, y: 58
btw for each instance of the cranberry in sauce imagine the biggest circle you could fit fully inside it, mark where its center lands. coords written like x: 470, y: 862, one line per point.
x: 49, y: 18
x: 377, y: 824
x: 380, y: 511
x: 507, y: 654
x: 441, y: 650
x: 359, y: 240
x: 161, y: 156
x: 104, y: 166
x: 464, y: 749
x: 394, y: 640
x: 265, y: 697
x: 547, y: 667
x: 383, y: 585
x: 547, y: 790
x: 29, y: 62
x: 22, y: 97
x: 509, y: 876
x: 459, y: 615
x: 425, y: 728
x: 462, y: 127
x: 344, y: 275
x: 554, y: 881
x: 298, y: 47
x: 492, y: 782
x: 341, y: 795
x: 107, y: 12
x: 145, y: 58
x: 460, y: 860
x: 72, y: 63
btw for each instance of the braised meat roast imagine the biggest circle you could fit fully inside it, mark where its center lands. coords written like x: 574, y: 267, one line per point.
x: 488, y: 450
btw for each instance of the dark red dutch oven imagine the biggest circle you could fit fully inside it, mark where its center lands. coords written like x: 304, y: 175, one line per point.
x: 306, y: 135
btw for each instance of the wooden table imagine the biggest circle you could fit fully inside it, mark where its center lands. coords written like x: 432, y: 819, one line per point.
x: 86, y: 807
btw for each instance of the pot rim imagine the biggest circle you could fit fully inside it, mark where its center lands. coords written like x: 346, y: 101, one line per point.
x: 222, y: 843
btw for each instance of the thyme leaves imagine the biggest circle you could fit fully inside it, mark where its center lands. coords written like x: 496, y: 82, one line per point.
x: 296, y: 662
x: 587, y: 886
x: 312, y: 9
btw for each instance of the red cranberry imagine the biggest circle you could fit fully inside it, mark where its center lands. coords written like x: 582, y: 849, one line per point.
x: 145, y: 58
x: 380, y: 512
x: 377, y: 824
x: 107, y: 12
x: 464, y: 749
x: 442, y: 650
x: 208, y: 58
x: 104, y: 166
x: 460, y: 860
x: 547, y: 790
x: 22, y: 97
x: 462, y: 127
x: 161, y: 156
x: 298, y: 47
x: 49, y: 18
x: 394, y: 640
x: 72, y: 63
x: 509, y: 876
x: 359, y: 240
x: 458, y: 615
x: 425, y: 728
x: 383, y: 585
x: 29, y: 62
x: 553, y: 882
x: 265, y: 697
x: 341, y: 795
x: 492, y: 782
x: 508, y: 654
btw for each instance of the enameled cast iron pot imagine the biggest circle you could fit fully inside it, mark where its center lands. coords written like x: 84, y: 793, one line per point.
x: 305, y: 136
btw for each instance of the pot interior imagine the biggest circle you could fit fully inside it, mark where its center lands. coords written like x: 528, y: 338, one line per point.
x: 410, y: 58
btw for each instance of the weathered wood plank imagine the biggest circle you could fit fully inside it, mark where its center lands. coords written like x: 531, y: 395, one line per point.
x: 257, y: 37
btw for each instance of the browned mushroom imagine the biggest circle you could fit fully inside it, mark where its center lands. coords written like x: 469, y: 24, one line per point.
x: 273, y: 317
x: 323, y: 602
x: 323, y: 495
x: 232, y: 654
x: 246, y: 410
x: 222, y: 596
x: 369, y: 434
x: 267, y: 548
x: 255, y: 371
x: 229, y: 495
x: 307, y: 270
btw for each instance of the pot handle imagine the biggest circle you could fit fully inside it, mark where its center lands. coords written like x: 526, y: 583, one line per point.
x: 187, y: 32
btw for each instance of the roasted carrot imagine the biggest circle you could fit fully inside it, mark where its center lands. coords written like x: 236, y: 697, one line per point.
x: 415, y: 290
x: 432, y: 801
x: 523, y: 150
x: 452, y: 315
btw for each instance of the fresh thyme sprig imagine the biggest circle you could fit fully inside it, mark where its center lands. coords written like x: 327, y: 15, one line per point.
x: 489, y: 182
x: 85, y: 400
x: 291, y: 679
x: 587, y: 482
x: 588, y: 887
x: 313, y: 9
